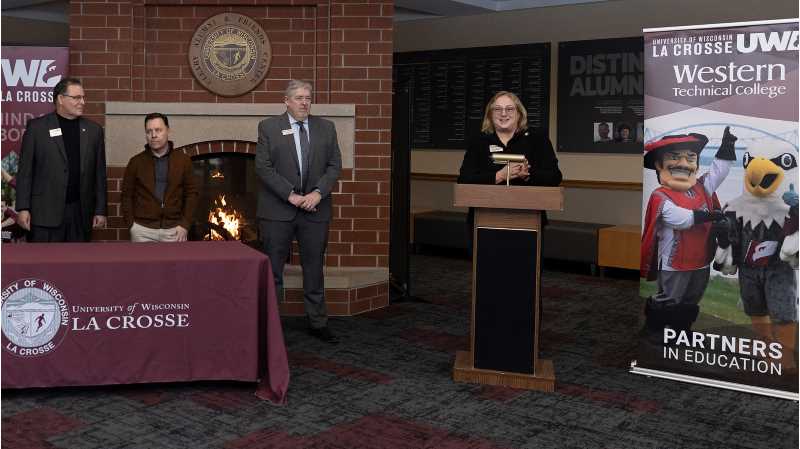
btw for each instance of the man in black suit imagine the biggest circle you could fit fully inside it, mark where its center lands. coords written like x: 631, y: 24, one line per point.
x: 298, y: 163
x: 61, y: 182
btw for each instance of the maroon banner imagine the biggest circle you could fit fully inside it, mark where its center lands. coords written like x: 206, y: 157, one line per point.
x: 28, y: 77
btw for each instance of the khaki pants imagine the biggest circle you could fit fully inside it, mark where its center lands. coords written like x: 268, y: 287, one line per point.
x: 141, y: 233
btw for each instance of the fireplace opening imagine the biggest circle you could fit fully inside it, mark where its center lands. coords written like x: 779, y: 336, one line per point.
x: 228, y: 198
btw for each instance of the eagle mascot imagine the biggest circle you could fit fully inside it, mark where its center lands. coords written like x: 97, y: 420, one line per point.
x: 763, y: 243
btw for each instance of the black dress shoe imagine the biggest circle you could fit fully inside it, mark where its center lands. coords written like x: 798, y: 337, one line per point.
x: 324, y: 334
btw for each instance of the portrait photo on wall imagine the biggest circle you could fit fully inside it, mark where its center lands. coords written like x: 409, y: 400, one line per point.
x: 623, y: 133
x: 603, y: 132
x: 600, y: 88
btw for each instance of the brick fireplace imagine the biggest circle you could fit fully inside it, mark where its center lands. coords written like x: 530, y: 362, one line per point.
x: 132, y: 58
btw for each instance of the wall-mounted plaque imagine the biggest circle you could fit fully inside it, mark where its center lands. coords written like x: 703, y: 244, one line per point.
x: 449, y: 89
x: 230, y: 54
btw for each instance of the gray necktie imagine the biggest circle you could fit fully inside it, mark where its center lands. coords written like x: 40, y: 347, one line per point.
x: 305, y: 151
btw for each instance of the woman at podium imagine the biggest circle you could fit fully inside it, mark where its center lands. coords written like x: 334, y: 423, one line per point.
x: 504, y: 130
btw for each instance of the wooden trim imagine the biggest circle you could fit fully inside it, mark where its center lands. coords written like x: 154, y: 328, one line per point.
x: 443, y: 177
x: 603, y: 185
x: 568, y: 183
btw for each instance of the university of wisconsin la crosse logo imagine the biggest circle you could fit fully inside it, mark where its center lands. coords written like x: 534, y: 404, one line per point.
x: 35, y: 317
x: 230, y: 54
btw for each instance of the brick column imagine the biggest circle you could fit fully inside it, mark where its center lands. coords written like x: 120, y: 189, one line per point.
x: 136, y: 50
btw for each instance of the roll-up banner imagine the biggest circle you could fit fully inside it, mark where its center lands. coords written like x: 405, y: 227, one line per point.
x: 28, y: 77
x: 720, y: 198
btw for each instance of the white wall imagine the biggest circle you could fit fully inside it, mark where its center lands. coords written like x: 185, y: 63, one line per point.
x: 614, y: 18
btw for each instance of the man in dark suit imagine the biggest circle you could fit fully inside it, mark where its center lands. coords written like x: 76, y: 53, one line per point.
x: 298, y: 163
x: 61, y: 182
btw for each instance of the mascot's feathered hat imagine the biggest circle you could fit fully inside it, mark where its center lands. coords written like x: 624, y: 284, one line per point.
x: 679, y: 142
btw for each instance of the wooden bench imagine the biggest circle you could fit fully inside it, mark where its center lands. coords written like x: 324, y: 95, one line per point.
x: 572, y: 241
x: 446, y: 229
x: 620, y: 247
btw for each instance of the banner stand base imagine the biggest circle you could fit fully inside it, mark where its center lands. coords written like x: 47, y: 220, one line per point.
x: 713, y: 383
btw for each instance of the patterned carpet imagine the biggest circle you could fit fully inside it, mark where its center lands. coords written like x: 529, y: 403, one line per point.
x: 388, y: 385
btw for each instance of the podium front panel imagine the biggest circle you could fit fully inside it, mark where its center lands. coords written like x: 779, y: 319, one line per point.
x: 505, y: 299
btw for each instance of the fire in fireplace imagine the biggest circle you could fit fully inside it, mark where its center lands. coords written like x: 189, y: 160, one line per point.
x: 227, y: 218
x: 228, y: 198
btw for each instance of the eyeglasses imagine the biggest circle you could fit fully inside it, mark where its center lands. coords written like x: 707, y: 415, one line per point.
x: 675, y: 157
x: 77, y: 98
x: 508, y: 110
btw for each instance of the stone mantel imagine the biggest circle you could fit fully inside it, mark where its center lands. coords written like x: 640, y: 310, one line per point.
x: 202, y: 122
x: 232, y: 109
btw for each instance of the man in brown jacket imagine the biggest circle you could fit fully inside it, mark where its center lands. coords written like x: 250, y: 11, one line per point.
x: 159, y: 190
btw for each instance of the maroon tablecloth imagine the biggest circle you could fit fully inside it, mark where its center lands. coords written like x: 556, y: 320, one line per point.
x: 119, y: 313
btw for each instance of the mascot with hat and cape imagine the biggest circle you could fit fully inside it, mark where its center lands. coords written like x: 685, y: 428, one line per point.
x: 677, y: 243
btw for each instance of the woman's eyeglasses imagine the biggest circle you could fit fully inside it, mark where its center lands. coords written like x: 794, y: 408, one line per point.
x: 508, y: 110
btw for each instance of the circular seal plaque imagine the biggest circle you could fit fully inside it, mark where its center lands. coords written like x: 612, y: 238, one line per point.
x: 230, y: 54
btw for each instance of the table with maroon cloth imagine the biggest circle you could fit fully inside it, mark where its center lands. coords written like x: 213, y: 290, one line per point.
x: 121, y: 313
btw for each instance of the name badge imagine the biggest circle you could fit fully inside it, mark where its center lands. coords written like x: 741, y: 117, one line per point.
x: 495, y: 149
x: 55, y: 132
x: 286, y: 132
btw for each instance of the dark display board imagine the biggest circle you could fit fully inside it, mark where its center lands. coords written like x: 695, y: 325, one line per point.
x: 449, y: 88
x: 601, y: 96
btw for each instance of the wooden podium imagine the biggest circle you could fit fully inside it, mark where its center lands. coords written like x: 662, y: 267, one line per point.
x: 504, y: 332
